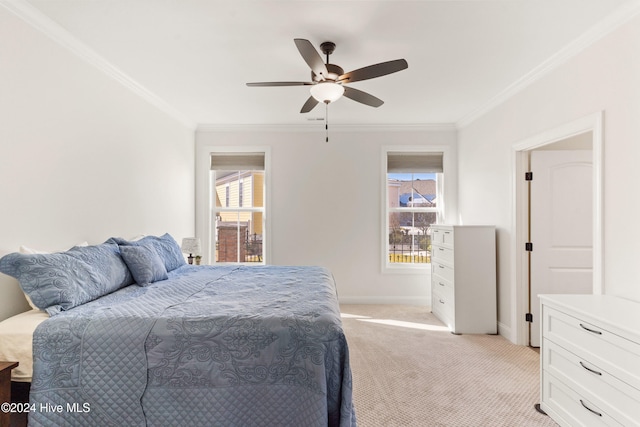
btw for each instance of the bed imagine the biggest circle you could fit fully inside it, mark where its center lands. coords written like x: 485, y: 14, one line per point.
x: 137, y: 337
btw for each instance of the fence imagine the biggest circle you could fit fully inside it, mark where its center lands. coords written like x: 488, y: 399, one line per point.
x: 405, y: 248
x: 409, y: 258
x: 408, y: 254
x: 253, y: 243
x: 250, y: 248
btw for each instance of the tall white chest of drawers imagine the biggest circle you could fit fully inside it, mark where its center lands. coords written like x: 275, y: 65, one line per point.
x: 590, y: 360
x: 463, y: 277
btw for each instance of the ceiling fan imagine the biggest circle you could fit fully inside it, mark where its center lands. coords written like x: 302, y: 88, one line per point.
x: 328, y: 81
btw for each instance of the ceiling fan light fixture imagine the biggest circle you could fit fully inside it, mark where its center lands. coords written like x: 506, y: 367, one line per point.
x: 327, y: 91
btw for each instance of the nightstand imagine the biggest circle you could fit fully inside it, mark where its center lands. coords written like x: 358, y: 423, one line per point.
x: 5, y: 389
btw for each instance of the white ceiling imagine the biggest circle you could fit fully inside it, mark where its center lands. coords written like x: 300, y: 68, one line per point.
x: 197, y: 55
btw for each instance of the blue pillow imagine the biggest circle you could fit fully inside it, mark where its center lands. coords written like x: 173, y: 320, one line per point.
x: 165, y: 245
x: 60, y: 281
x: 107, y: 259
x: 144, y: 263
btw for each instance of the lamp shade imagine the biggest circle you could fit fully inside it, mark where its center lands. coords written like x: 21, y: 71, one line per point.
x: 191, y: 245
x: 327, y: 91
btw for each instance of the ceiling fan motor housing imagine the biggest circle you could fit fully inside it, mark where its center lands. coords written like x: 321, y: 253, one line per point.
x: 335, y: 71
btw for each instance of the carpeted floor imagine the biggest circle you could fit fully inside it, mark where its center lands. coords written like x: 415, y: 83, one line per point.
x: 408, y: 370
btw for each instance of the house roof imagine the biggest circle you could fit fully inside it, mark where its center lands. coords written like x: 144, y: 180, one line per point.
x: 415, y: 199
x: 427, y: 186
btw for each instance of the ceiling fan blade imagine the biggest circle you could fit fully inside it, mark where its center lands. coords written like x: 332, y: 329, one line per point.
x: 266, y: 84
x: 372, y: 71
x: 362, y: 97
x: 311, y: 57
x: 309, y: 105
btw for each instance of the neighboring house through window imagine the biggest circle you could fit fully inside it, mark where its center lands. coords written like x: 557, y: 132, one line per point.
x: 413, y: 194
x: 238, y: 226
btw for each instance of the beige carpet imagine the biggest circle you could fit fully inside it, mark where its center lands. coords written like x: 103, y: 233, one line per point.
x: 409, y: 371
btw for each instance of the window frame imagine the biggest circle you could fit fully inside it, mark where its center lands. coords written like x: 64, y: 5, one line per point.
x: 206, y: 188
x: 408, y: 268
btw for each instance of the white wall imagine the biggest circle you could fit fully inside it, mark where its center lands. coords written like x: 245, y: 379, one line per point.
x: 82, y: 158
x: 326, y: 202
x: 605, y: 77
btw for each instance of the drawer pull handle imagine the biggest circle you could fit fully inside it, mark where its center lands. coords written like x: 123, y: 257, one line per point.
x: 440, y: 265
x: 441, y: 249
x: 441, y: 302
x: 440, y: 283
x: 589, y: 369
x: 590, y: 330
x: 589, y: 409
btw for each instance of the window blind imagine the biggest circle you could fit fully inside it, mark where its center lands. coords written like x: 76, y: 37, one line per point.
x: 398, y: 162
x: 237, y: 161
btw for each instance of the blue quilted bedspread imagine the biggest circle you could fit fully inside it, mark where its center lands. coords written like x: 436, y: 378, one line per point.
x: 211, y: 346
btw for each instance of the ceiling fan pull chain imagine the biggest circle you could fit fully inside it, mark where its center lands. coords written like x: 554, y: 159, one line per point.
x: 326, y: 121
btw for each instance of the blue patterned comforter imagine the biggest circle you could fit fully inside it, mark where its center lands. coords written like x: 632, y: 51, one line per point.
x: 211, y: 346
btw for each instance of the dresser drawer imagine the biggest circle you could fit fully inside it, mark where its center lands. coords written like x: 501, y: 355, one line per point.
x: 447, y: 237
x: 443, y: 288
x: 439, y: 283
x: 441, y: 269
x: 442, y: 306
x: 565, y: 404
x: 581, y: 373
x: 440, y: 312
x: 442, y: 235
x: 441, y: 253
x: 610, y: 352
x: 437, y: 235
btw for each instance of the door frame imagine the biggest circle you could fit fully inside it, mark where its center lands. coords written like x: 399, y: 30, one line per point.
x: 519, y: 266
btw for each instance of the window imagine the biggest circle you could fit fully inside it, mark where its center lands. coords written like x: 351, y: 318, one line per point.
x: 238, y: 224
x: 413, y: 189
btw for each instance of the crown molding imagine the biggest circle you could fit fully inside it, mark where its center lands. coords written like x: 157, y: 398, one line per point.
x: 57, y: 33
x: 613, y: 21
x: 319, y: 127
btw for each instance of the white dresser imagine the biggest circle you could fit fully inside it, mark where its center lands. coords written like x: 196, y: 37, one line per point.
x: 590, y: 360
x: 463, y: 277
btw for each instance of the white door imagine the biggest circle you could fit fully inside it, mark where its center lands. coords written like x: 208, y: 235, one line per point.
x: 561, y: 219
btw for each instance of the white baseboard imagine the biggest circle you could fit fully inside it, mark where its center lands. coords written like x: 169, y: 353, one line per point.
x: 505, y: 331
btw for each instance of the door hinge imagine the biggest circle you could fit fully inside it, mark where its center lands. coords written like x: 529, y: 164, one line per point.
x: 528, y: 247
x: 528, y: 317
x: 528, y: 176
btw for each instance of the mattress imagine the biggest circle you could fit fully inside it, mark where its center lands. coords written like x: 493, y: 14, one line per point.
x: 16, y: 338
